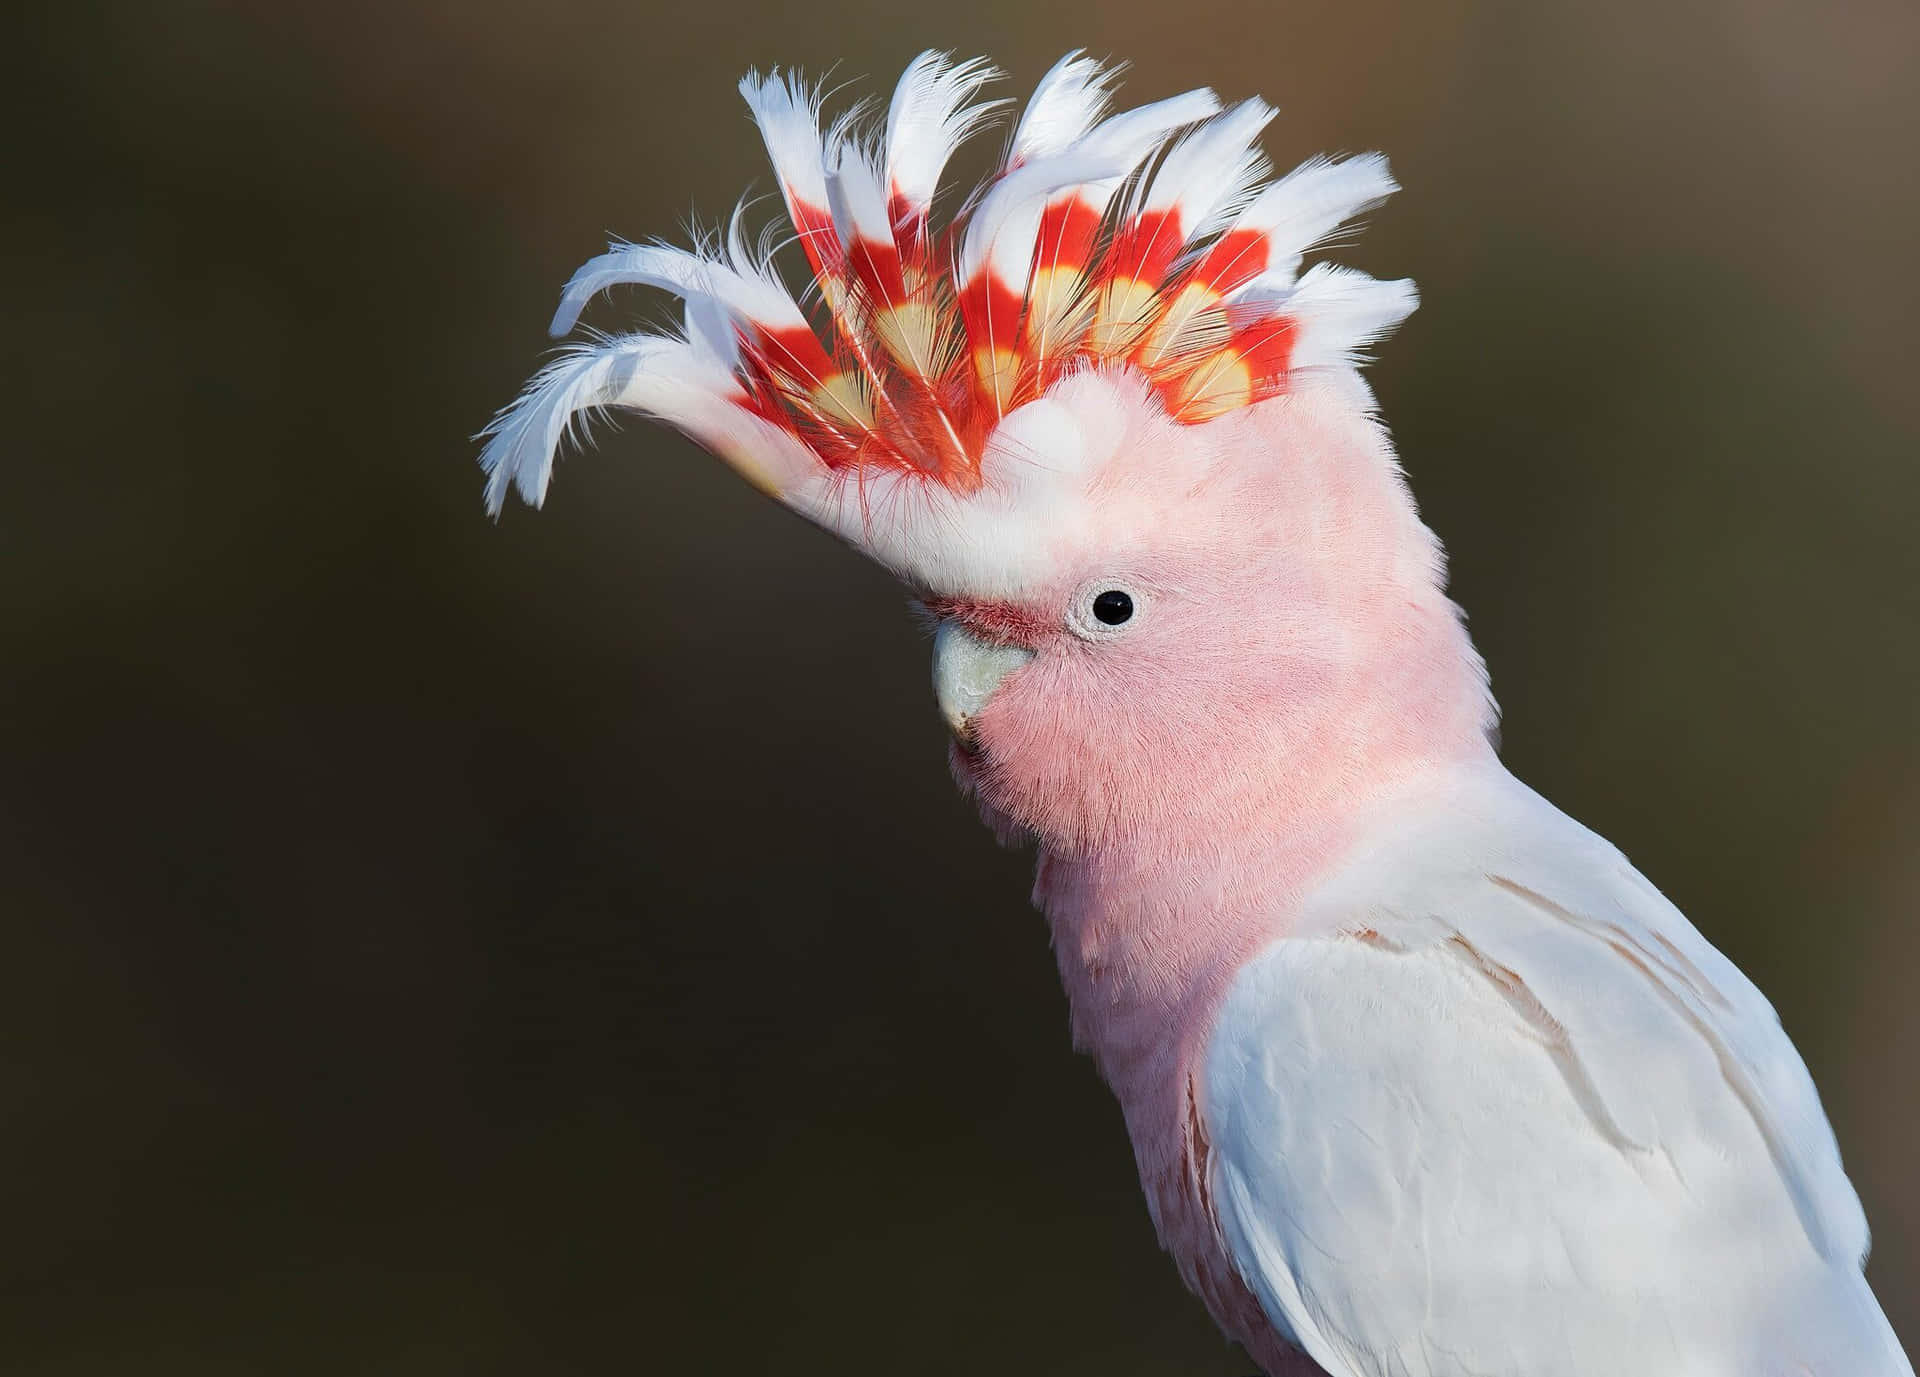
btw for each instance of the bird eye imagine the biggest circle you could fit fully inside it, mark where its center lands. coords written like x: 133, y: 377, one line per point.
x: 1103, y: 610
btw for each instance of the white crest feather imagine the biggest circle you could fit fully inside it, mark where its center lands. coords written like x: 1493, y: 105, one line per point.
x: 525, y: 437
x: 1208, y: 175
x: 787, y: 110
x: 1338, y: 312
x: 857, y: 194
x: 1134, y: 135
x: 745, y: 286
x: 929, y: 118
x: 1300, y: 210
x: 683, y: 382
x: 1065, y: 106
x: 1130, y: 138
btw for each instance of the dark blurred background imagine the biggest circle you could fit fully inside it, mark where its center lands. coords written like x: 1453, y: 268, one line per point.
x: 434, y: 947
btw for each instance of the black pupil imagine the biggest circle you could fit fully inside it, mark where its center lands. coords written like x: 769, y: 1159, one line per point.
x: 1113, y: 607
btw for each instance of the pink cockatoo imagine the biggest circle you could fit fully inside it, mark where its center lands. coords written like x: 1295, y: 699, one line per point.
x: 1423, y: 1078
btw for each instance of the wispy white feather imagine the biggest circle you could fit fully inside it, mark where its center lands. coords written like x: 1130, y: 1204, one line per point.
x: 1065, y: 106
x: 1209, y: 174
x: 1134, y: 135
x: 740, y: 282
x: 683, y: 382
x: 857, y: 194
x: 525, y: 437
x: 1338, y: 312
x: 1301, y: 209
x: 932, y: 115
x: 1131, y: 138
x: 787, y: 111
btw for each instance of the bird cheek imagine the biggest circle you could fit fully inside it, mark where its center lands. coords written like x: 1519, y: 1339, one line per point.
x: 978, y: 781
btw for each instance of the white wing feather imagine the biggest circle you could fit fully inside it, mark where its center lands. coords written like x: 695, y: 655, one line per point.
x: 1496, y: 1107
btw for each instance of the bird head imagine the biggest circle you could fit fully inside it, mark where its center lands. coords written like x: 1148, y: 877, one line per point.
x: 1101, y: 425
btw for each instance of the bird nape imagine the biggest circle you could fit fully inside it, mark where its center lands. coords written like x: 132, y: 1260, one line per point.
x: 1423, y: 1078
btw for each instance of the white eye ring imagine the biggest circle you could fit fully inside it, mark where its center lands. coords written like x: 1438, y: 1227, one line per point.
x: 1105, y: 609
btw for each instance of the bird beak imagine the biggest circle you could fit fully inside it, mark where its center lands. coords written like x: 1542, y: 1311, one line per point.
x: 966, y: 673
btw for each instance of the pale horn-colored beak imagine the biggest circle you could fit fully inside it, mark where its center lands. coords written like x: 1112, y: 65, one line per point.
x: 966, y: 672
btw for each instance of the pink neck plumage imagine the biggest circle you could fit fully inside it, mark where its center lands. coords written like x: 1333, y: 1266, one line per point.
x: 1148, y: 930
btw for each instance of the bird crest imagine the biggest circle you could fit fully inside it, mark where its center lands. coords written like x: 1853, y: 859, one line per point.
x: 1151, y: 239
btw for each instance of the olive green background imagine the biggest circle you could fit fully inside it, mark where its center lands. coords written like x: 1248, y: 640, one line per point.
x: 440, y: 947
